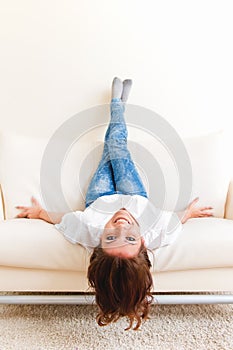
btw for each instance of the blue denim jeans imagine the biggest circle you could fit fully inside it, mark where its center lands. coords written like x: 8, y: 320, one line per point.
x: 116, y: 172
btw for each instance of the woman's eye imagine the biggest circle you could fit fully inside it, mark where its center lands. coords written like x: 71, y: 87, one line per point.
x: 131, y: 239
x: 110, y: 238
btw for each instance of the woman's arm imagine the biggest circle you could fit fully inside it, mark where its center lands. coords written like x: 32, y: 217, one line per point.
x: 194, y: 212
x: 37, y: 212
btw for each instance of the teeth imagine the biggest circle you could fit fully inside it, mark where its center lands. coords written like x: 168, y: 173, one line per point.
x: 122, y: 220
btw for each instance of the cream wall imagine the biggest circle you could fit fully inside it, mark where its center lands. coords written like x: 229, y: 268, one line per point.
x: 58, y: 57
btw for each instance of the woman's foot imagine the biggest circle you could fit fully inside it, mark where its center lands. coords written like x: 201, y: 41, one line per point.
x: 117, y: 88
x: 127, y: 84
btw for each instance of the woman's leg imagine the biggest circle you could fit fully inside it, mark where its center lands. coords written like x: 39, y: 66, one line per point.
x: 116, y: 172
x: 102, y: 182
x: 126, y: 177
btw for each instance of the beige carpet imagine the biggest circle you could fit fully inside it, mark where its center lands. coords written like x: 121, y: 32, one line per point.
x: 178, y: 327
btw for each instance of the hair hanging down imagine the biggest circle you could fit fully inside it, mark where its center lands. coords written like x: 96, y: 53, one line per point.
x: 122, y: 286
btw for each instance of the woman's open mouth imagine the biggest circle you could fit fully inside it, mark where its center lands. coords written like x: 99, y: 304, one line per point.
x: 121, y: 220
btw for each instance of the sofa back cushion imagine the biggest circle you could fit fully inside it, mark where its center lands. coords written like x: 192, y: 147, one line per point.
x: 211, y: 174
x: 21, y: 159
x: 211, y: 170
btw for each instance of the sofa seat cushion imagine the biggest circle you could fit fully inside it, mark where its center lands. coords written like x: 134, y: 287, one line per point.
x: 204, y: 243
x: 37, y: 244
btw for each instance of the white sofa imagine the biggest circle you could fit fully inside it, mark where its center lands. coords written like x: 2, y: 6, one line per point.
x: 35, y: 257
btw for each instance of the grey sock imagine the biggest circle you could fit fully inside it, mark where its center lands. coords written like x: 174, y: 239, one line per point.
x: 127, y: 83
x: 117, y: 88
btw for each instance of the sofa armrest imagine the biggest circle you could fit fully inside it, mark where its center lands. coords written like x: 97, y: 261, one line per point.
x: 229, y: 202
x: 2, y: 216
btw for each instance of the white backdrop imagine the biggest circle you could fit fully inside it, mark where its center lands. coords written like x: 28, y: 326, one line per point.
x: 58, y: 57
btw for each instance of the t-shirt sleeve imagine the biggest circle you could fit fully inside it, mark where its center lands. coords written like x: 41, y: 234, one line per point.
x: 71, y: 227
x: 76, y: 230
x: 165, y: 232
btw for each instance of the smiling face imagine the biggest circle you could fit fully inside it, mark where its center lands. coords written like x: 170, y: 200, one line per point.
x: 121, y: 236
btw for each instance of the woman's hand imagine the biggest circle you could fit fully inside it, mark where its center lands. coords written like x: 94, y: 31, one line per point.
x: 37, y: 212
x: 196, y: 212
x: 32, y: 212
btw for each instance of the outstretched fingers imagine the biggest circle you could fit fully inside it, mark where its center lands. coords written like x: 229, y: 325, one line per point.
x: 207, y: 208
x: 193, y: 203
x: 35, y: 202
x: 205, y: 211
x: 23, y: 211
x: 32, y: 212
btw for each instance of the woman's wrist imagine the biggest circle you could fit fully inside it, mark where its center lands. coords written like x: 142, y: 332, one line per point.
x: 186, y: 216
x: 40, y: 214
x: 43, y: 215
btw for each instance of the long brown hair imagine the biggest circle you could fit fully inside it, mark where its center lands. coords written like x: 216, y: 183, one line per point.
x: 122, y: 286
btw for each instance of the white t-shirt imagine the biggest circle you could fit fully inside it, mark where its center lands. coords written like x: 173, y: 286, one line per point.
x: 157, y: 227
